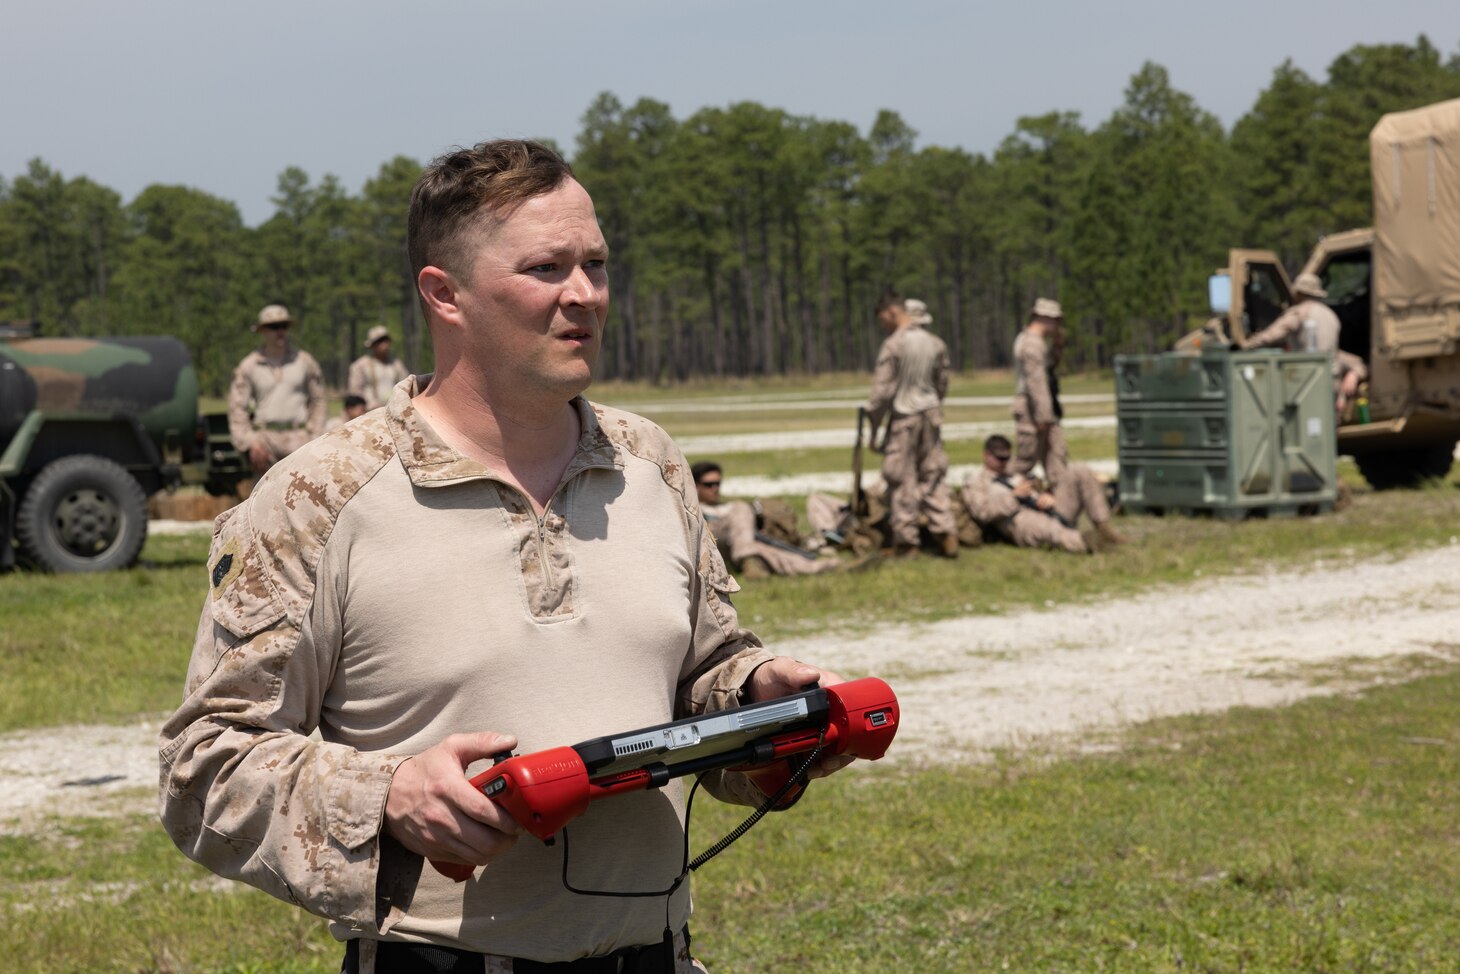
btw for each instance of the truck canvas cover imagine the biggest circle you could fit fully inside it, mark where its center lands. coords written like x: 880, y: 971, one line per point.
x: 1415, y: 159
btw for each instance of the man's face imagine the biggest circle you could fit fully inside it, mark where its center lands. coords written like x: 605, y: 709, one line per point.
x: 354, y: 412
x: 997, y: 461
x: 888, y: 318
x: 708, y: 488
x: 381, y: 349
x: 535, y: 300
x: 276, y: 337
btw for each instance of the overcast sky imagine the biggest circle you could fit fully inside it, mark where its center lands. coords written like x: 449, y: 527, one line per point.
x: 224, y: 96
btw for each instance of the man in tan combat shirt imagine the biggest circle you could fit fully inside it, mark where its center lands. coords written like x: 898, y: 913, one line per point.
x: 374, y: 375
x: 489, y: 562
x: 276, y: 401
x: 1038, y: 438
x: 1013, y: 508
x: 908, y: 387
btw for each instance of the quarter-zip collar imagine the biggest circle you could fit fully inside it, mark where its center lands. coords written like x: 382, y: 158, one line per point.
x: 431, y: 462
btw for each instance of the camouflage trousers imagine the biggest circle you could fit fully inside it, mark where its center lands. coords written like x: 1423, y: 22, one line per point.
x: 734, y: 532
x: 1080, y: 492
x: 1046, y: 449
x: 915, y: 467
x: 281, y: 443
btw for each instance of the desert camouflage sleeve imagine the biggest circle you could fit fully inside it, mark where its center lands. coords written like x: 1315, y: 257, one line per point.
x: 884, y: 384
x: 314, y: 396
x: 240, y: 398
x: 940, y: 372
x: 1346, y: 362
x: 1277, y: 334
x: 1032, y: 363
x: 987, y: 501
x: 245, y: 791
x: 358, y: 382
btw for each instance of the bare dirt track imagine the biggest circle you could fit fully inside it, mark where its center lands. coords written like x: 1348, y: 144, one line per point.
x: 1061, y: 677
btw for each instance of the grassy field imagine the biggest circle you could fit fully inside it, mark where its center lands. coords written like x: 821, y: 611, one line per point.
x: 1318, y: 837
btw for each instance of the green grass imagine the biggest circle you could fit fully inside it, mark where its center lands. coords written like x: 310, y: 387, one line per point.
x: 100, y: 648
x: 1318, y: 837
x: 1170, y: 550
x: 105, y: 648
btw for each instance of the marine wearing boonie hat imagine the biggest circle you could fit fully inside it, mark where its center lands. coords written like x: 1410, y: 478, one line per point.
x: 1308, y: 284
x: 273, y: 314
x: 375, y: 334
x: 917, y: 312
x: 1047, y: 308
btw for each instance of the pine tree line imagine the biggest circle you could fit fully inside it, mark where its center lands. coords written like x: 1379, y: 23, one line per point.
x: 750, y: 241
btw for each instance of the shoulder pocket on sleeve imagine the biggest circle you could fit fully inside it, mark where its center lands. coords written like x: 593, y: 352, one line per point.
x: 240, y: 596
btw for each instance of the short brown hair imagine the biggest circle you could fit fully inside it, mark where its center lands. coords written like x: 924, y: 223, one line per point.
x: 498, y: 175
x: 890, y: 299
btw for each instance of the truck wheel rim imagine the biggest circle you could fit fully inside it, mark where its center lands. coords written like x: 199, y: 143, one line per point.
x: 87, y: 522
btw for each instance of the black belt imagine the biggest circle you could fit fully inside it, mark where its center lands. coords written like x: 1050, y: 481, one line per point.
x: 396, y: 957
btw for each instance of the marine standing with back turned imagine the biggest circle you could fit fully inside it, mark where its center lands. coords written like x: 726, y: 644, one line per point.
x: 276, y: 401
x: 1038, y: 438
x: 908, y: 387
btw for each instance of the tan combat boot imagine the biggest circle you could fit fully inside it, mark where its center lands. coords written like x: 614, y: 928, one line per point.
x: 1108, y: 535
x: 947, y: 545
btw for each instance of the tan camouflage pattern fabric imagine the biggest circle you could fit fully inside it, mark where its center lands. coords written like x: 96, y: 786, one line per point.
x: 1287, y: 332
x: 374, y: 380
x: 263, y: 393
x: 915, y: 468
x: 733, y: 524
x: 909, y: 385
x: 1081, y: 492
x: 911, y: 375
x: 246, y: 791
x: 994, y: 507
x: 1033, y: 405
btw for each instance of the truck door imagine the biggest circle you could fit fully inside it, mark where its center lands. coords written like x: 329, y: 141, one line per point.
x: 1260, y: 292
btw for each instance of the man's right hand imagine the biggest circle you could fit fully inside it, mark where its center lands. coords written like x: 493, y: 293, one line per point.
x: 433, y: 810
x: 260, y: 457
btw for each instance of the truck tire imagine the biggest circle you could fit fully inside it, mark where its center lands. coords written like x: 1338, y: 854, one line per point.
x: 82, y: 513
x: 1405, y: 468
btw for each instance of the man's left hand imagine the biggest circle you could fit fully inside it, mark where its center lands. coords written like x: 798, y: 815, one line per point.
x: 782, y: 676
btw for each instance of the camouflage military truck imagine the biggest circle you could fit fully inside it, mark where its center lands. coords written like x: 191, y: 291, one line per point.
x: 1396, y: 290
x: 89, y: 428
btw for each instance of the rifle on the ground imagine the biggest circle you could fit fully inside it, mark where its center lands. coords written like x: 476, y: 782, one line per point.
x: 1032, y: 504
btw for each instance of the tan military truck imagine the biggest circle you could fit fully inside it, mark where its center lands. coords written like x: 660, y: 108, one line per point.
x: 1396, y: 290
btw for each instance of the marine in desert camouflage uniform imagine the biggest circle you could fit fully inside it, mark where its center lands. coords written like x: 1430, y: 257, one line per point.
x: 734, y: 524
x: 1013, y: 508
x: 276, y: 402
x: 1038, y: 438
x: 374, y: 375
x: 1287, y: 332
x: 908, y: 388
x: 489, y: 562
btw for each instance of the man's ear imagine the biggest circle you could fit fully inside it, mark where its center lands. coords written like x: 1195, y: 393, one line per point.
x: 438, y: 291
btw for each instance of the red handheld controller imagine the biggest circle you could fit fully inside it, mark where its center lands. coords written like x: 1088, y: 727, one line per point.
x: 546, y: 790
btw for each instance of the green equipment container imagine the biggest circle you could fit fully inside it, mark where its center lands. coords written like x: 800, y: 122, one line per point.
x: 1227, y: 433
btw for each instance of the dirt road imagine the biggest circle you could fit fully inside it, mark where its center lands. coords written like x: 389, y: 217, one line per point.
x: 1071, y: 673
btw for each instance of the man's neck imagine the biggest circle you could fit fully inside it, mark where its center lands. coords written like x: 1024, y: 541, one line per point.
x: 529, y: 443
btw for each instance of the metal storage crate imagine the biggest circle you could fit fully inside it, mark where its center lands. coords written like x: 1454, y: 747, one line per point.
x: 1225, y: 432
